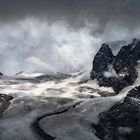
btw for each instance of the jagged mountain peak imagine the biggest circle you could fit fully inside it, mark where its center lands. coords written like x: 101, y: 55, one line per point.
x: 123, y: 64
x: 117, y: 44
x: 104, y: 57
x: 105, y: 50
x: 105, y: 46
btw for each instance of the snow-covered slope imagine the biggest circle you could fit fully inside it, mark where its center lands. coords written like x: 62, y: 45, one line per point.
x: 34, y: 99
x: 57, y: 106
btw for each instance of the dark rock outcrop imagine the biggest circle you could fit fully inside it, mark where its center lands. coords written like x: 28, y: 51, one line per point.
x: 1, y: 74
x: 136, y: 50
x: 124, y: 64
x: 122, y: 121
x: 103, y: 58
x: 124, y: 59
x: 4, y: 102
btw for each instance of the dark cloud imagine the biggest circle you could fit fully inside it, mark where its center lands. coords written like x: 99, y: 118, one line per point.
x: 75, y: 11
x: 29, y: 42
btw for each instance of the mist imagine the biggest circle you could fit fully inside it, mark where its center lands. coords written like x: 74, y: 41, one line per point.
x: 51, y: 36
x: 34, y: 45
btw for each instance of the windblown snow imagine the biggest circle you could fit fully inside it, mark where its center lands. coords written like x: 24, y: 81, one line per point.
x: 34, y: 97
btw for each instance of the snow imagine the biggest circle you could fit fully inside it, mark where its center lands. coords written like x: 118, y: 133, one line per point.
x: 124, y: 130
x: 66, y: 88
x: 30, y: 74
x: 33, y: 99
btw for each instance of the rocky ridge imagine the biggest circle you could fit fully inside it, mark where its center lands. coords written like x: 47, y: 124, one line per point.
x: 121, y: 121
x: 116, y: 71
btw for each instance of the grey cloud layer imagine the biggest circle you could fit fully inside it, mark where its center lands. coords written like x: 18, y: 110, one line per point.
x: 29, y: 42
x: 72, y: 10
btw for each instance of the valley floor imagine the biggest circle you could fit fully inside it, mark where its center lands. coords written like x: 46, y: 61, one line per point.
x: 61, y: 109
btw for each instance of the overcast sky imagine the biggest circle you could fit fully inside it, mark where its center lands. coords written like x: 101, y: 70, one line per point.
x: 54, y: 35
x: 123, y: 13
x: 123, y: 10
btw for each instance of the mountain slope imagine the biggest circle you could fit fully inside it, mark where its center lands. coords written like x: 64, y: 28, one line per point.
x: 76, y: 106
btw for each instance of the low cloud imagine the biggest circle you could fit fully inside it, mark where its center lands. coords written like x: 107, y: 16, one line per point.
x: 31, y: 45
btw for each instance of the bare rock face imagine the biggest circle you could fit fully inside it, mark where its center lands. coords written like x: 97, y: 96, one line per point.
x: 103, y: 58
x: 124, y: 59
x: 122, y: 121
x: 4, y: 102
x: 123, y: 64
x: 136, y: 50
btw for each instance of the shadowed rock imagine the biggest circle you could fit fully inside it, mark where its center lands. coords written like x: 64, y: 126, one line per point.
x: 1, y: 74
x: 123, y: 64
x: 4, y: 102
x: 102, y: 59
x: 122, y: 121
x: 136, y: 50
